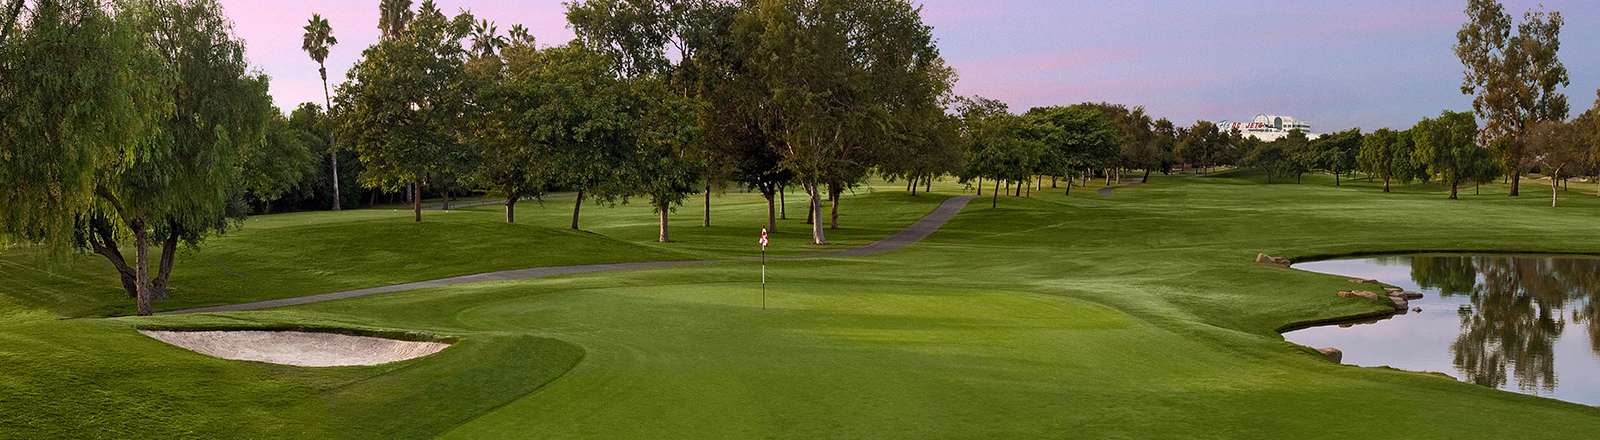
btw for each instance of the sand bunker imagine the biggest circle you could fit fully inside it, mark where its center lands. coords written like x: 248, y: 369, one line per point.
x: 305, y: 349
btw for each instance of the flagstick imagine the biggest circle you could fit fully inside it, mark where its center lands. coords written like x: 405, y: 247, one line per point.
x: 763, y: 277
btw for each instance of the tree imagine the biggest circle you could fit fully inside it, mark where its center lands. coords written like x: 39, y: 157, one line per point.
x: 1446, y: 144
x: 319, y: 35
x: 393, y: 17
x: 1560, y: 148
x: 182, y: 182
x: 634, y: 35
x: 514, y: 160
x: 1302, y: 158
x: 405, y: 104
x: 840, y: 77
x: 1072, y: 139
x: 1513, y: 78
x: 1271, y: 157
x: 1202, y: 144
x: 277, y: 163
x: 1000, y: 145
x: 638, y: 34
x: 486, y: 39
x: 1338, y: 152
x: 80, y: 93
x: 1377, y: 155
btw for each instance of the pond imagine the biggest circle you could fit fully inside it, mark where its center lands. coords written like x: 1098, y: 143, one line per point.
x: 1528, y: 324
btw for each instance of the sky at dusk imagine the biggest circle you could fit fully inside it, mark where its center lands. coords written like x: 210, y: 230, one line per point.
x: 1336, y: 64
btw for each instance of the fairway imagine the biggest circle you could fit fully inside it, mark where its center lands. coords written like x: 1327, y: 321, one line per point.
x: 1139, y: 315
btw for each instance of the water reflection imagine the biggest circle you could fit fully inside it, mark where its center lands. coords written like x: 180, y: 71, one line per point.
x: 1515, y: 313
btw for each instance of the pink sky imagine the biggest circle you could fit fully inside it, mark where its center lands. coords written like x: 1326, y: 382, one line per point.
x: 1338, y: 64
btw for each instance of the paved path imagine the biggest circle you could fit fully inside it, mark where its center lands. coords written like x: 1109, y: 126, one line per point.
x: 906, y: 237
x: 1106, y: 192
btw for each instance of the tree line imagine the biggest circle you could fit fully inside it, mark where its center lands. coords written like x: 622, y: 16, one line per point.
x: 1513, y: 78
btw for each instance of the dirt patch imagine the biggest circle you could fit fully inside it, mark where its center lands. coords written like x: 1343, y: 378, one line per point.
x: 304, y: 349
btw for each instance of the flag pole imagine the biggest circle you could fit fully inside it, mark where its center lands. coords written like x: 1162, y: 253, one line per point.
x: 763, y: 268
x: 763, y: 277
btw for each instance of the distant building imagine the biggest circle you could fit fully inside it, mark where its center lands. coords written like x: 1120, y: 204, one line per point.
x: 1268, y: 127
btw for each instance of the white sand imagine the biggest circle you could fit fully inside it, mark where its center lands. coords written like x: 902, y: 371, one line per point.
x: 305, y: 349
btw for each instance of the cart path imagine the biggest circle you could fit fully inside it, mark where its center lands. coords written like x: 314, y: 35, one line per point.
x: 1106, y: 192
x: 906, y: 237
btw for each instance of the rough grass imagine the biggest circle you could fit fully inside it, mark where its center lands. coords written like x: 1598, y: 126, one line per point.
x: 1140, y: 315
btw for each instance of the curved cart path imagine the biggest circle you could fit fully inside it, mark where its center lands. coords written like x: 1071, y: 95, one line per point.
x: 1107, y: 191
x: 906, y: 237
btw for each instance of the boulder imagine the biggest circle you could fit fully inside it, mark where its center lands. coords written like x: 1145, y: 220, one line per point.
x: 1368, y: 294
x: 1268, y: 259
x: 1332, y: 353
x: 1346, y: 294
x: 1365, y: 281
x: 1392, y: 290
x: 1416, y: 309
x: 1399, y: 303
x: 1408, y: 295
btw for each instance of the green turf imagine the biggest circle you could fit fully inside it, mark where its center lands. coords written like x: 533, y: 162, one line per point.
x: 1139, y: 315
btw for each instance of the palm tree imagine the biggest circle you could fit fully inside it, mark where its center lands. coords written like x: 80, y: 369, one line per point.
x: 319, y: 35
x: 393, y: 15
x: 484, y: 40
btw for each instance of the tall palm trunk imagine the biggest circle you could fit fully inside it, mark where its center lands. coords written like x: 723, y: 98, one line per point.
x: 333, y: 146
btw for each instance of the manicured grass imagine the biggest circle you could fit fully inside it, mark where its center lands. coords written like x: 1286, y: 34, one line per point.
x: 1139, y: 315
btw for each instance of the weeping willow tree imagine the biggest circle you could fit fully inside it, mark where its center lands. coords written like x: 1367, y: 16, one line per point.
x: 125, y: 120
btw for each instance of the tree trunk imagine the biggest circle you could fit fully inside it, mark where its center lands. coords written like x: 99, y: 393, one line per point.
x: 912, y: 186
x: 445, y: 192
x: 817, y: 238
x: 577, y: 204
x: 1336, y: 178
x: 1069, y: 187
x: 772, y: 219
x: 995, y: 202
x: 929, y: 181
x: 373, y: 201
x: 511, y: 208
x: 416, y: 200
x: 169, y: 251
x: 707, y: 222
x: 1554, y: 186
x: 980, y: 187
x: 1146, y: 178
x: 1086, y: 173
x: 1385, y: 183
x: 1053, y: 180
x: 833, y: 196
x: 141, y: 268
x: 783, y: 205
x: 663, y: 209
x: 333, y: 144
x: 1453, y: 187
x: 103, y: 242
x: 1516, y: 182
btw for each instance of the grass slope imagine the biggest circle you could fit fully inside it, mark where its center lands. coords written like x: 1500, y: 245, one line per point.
x: 1139, y: 315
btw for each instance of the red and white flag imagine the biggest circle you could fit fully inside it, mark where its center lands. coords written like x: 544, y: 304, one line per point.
x: 763, y: 237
